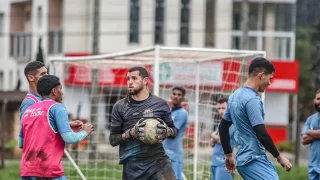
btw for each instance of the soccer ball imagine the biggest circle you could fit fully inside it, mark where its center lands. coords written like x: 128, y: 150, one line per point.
x: 150, y: 131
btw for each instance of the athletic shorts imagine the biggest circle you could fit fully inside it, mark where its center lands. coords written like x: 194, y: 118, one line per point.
x: 220, y: 172
x: 157, y: 169
x: 260, y: 168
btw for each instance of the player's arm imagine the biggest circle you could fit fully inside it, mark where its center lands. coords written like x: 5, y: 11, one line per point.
x: 224, y: 128
x: 307, y: 138
x: 254, y: 110
x: 24, y: 105
x: 225, y: 135
x: 117, y: 135
x: 315, y: 134
x: 215, y: 137
x: 181, y: 120
x: 59, y: 122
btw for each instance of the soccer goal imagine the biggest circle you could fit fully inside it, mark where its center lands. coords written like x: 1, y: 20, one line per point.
x: 92, y: 85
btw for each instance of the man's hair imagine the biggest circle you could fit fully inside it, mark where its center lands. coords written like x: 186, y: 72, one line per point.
x: 260, y: 64
x: 32, y: 67
x: 318, y: 91
x: 142, y: 71
x: 222, y: 100
x: 46, y: 83
x: 180, y: 88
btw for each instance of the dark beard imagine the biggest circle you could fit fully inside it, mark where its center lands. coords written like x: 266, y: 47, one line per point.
x: 135, y: 91
x: 316, y: 107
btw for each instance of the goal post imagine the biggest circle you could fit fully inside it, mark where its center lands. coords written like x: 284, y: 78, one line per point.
x: 206, y: 74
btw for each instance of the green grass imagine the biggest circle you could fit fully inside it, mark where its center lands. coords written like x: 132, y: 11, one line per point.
x: 103, y: 171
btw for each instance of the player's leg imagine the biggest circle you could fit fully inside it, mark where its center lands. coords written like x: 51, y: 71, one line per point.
x: 222, y: 173
x: 213, y: 172
x: 163, y: 170
x: 260, y: 168
x: 314, y: 173
x: 177, y: 167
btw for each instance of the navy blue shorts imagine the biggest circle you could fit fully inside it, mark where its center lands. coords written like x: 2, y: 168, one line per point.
x: 157, y: 169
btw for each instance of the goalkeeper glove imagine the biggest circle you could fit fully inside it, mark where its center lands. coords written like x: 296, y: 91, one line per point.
x: 137, y: 132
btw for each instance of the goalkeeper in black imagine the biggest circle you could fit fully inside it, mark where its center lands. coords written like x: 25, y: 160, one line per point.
x: 141, y: 161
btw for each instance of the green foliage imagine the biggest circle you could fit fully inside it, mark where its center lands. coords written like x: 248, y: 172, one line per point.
x: 305, y: 54
x: 40, y: 56
x: 286, y: 146
x: 10, y: 145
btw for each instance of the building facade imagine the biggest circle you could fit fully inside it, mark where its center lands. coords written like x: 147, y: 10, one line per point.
x: 65, y: 27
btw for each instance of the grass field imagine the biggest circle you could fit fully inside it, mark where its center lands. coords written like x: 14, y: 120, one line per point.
x: 12, y: 172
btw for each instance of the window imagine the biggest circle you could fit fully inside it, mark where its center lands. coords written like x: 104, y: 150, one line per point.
x: 134, y: 21
x: 184, y: 22
x: 20, y: 45
x: 159, y: 22
x: 283, y: 17
x: 1, y: 23
x: 55, y: 41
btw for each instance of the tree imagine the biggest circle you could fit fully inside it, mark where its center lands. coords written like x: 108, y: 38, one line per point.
x: 40, y: 56
x: 306, y: 55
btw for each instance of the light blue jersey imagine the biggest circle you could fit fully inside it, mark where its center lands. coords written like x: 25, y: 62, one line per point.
x: 174, y: 147
x: 218, y: 169
x: 245, y: 110
x: 313, y: 123
x: 218, y: 156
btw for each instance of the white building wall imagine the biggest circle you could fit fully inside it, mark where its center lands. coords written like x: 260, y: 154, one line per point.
x: 76, y: 26
x: 6, y: 64
x: 223, y: 24
x: 197, y: 24
x: 276, y: 108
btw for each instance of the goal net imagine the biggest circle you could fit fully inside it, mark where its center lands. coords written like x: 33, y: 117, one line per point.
x: 93, y: 84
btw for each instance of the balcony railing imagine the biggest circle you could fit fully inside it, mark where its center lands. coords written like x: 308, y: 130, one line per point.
x: 20, y: 45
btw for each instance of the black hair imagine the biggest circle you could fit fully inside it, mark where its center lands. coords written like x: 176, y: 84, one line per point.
x: 260, y: 64
x: 180, y: 88
x: 222, y: 100
x: 46, y: 83
x: 32, y: 67
x: 142, y: 71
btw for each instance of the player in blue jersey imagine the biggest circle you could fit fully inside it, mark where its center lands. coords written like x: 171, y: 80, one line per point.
x: 174, y: 147
x: 141, y: 161
x: 245, y: 111
x: 311, y: 135
x: 218, y: 167
x: 50, y: 89
x: 33, y: 72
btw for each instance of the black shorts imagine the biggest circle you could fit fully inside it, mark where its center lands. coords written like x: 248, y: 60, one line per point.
x: 158, y: 169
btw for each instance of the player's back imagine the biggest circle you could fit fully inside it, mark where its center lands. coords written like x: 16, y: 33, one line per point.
x: 249, y: 147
